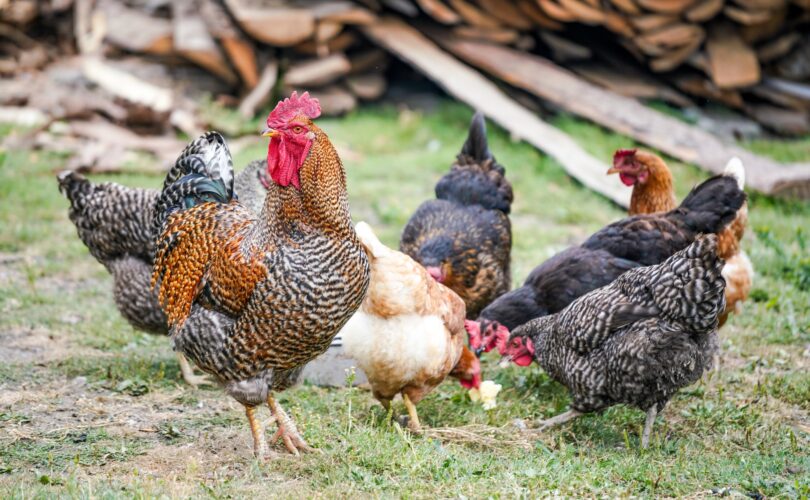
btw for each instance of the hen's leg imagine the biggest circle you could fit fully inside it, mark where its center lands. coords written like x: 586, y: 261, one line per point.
x: 652, y: 412
x: 189, y: 376
x: 259, y: 443
x: 413, y: 418
x: 287, y: 430
x: 558, y: 420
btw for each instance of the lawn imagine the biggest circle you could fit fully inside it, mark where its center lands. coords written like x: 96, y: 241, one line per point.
x: 92, y: 408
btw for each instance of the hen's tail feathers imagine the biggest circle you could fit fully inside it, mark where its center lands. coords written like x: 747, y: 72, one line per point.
x: 374, y: 247
x: 202, y: 173
x: 476, y: 178
x: 476, y: 146
x: 712, y: 205
x: 734, y: 168
x: 687, y: 288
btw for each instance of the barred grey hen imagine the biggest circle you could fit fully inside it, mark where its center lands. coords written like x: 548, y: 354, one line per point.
x: 636, y: 341
x: 115, y: 223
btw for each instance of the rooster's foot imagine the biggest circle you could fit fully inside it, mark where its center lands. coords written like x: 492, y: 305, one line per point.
x: 542, y: 425
x: 287, y: 431
x: 189, y: 376
x: 413, y: 418
x: 260, y: 450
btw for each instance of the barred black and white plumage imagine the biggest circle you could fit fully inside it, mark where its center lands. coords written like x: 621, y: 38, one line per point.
x: 636, y: 341
x: 115, y: 223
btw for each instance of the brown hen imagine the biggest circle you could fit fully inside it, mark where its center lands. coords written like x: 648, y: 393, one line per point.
x: 653, y: 192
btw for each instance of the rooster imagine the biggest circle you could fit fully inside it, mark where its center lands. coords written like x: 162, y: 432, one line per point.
x: 115, y: 223
x: 636, y: 341
x: 653, y: 192
x: 281, y: 283
x: 409, y: 333
x: 464, y: 237
x: 641, y: 240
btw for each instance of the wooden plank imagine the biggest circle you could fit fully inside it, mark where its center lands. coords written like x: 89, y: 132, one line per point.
x: 317, y: 72
x: 732, y: 63
x: 627, y: 116
x: 279, y: 26
x: 473, y: 88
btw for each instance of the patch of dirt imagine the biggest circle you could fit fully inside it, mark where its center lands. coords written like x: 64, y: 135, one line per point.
x: 37, y: 345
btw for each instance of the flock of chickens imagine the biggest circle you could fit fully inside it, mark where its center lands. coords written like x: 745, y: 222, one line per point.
x: 253, y: 275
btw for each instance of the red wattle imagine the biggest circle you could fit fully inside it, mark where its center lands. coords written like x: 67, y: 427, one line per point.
x: 523, y: 360
x: 627, y: 179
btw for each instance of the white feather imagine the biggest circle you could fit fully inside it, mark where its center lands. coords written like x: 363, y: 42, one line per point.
x: 734, y: 168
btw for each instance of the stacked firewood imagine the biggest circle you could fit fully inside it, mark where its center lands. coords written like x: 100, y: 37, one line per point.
x: 123, y: 75
x: 751, y: 55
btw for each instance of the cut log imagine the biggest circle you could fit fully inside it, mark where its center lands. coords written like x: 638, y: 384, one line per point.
x: 367, y: 87
x: 132, y: 30
x: 193, y: 41
x: 584, y: 12
x: 630, y: 83
x: 778, y: 47
x: 279, y: 26
x: 261, y: 91
x: 439, y: 11
x: 473, y: 15
x: 704, y: 10
x: 537, y: 16
x: 627, y: 116
x: 618, y: 24
x: 675, y: 58
x: 743, y: 16
x: 650, y: 22
x: 732, y: 63
x: 506, y: 13
x: 676, y: 35
x: 317, y: 72
x: 627, y: 6
x: 476, y: 90
x: 327, y: 30
x: 239, y: 51
x: 340, y: 43
x: 498, y: 35
x: 335, y: 100
x: 555, y: 11
x: 698, y: 86
x: 666, y: 6
x: 343, y: 12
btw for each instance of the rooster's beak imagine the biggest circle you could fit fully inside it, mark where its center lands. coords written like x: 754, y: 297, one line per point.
x: 478, y: 351
x: 268, y: 132
x: 613, y: 170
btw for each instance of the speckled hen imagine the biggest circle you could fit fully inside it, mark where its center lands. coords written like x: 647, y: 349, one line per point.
x: 283, y: 283
x: 636, y: 341
x: 115, y: 223
x: 464, y: 237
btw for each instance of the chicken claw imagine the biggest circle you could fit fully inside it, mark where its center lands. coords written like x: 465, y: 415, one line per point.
x: 652, y: 412
x: 542, y: 425
x: 413, y: 419
x: 287, y: 431
x: 189, y: 376
x: 259, y: 443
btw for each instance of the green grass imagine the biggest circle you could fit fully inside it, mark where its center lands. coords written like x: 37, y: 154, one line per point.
x: 744, y: 429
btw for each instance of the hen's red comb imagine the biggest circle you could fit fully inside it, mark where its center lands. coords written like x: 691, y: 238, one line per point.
x: 293, y: 106
x: 623, y: 153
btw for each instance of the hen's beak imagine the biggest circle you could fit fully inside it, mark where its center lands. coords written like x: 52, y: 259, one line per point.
x: 613, y: 170
x: 478, y: 351
x: 268, y: 132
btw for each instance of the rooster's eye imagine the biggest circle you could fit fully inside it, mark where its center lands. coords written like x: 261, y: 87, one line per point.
x: 298, y: 129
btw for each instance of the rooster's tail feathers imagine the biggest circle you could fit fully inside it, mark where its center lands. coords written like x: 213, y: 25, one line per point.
x: 476, y: 146
x: 202, y: 173
x: 208, y: 155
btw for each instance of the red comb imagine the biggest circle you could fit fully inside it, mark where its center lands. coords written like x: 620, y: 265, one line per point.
x: 623, y: 153
x: 293, y: 106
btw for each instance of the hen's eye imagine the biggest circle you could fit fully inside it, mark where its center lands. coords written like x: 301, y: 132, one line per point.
x: 298, y: 129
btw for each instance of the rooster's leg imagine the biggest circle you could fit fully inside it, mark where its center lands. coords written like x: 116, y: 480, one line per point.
x: 558, y: 420
x: 287, y: 430
x: 259, y: 443
x: 189, y: 376
x: 652, y: 412
x: 413, y: 422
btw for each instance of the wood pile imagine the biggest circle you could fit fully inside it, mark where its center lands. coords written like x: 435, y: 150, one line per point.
x: 141, y: 66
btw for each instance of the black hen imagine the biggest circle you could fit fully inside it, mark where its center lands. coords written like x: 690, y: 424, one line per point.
x: 464, y: 237
x: 641, y: 240
x: 636, y: 341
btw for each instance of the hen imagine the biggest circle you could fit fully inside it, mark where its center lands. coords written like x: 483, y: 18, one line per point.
x: 641, y: 240
x: 464, y: 237
x: 653, y: 192
x: 636, y: 341
x: 409, y: 333
x: 282, y: 283
x: 115, y: 223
